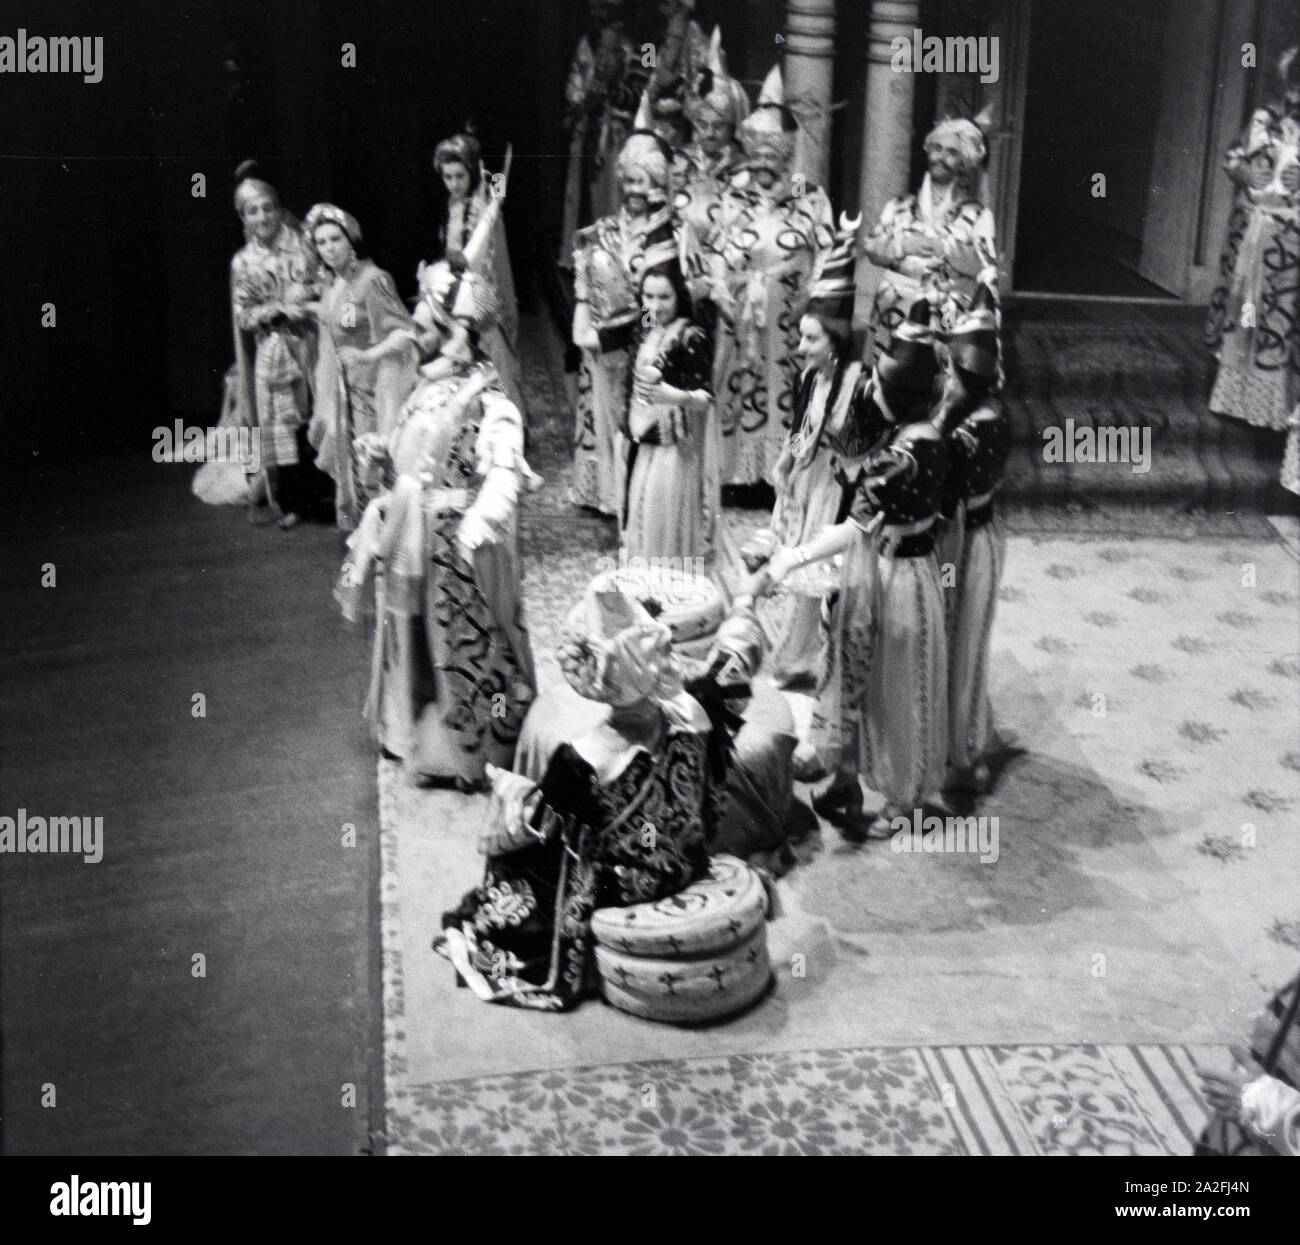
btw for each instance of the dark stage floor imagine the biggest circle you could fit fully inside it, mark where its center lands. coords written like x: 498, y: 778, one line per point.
x: 222, y: 835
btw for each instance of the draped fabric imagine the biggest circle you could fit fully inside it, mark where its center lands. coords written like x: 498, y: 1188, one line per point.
x: 452, y: 674
x: 674, y: 495
x: 1254, y: 319
x: 608, y: 258
x: 974, y: 544
x: 363, y: 399
x: 761, y: 255
x: 882, y: 703
x: 964, y: 226
x: 523, y: 936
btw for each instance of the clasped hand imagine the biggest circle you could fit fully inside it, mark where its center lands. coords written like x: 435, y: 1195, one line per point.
x: 506, y: 825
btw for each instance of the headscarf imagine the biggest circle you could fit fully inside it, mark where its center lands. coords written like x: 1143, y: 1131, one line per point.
x: 614, y: 652
x: 328, y: 214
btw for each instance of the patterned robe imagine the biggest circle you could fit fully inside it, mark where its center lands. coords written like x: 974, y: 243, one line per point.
x: 1254, y: 320
x: 523, y: 937
x: 275, y: 361
x: 607, y: 263
x: 762, y: 253
x: 698, y: 200
x: 453, y: 668
x: 965, y: 228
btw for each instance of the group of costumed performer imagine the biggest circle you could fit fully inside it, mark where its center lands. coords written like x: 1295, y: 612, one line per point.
x: 608, y: 261
x: 606, y: 81
x: 900, y: 660
x: 324, y: 353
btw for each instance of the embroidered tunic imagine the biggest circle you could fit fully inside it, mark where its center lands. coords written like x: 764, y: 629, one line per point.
x: 523, y: 937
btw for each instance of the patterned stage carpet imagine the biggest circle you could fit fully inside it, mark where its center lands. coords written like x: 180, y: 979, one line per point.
x: 1040, y: 1100
x: 1142, y: 906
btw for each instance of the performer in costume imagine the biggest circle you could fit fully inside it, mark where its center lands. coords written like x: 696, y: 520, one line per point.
x: 673, y: 495
x: 1254, y: 320
x: 973, y: 542
x: 608, y: 260
x: 274, y: 283
x: 882, y: 707
x: 453, y: 668
x: 762, y: 253
x: 715, y: 105
x: 469, y: 196
x: 469, y: 191
x: 367, y: 359
x: 595, y: 74
x: 560, y: 848
x: 837, y: 422
x: 935, y: 243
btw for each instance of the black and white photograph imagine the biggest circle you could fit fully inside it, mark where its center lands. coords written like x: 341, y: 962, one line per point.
x: 650, y: 578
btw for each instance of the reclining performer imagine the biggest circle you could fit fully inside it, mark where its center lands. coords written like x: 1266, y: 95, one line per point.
x: 623, y: 814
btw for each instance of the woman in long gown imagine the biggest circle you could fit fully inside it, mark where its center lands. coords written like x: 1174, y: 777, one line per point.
x: 453, y: 666
x: 274, y: 282
x: 469, y: 194
x: 673, y: 495
x: 622, y: 816
x: 882, y: 706
x: 837, y: 421
x: 607, y: 263
x: 769, y: 236
x: 367, y: 358
x: 1254, y: 320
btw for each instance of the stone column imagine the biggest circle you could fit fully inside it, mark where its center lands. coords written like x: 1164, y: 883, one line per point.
x: 887, y: 127
x: 806, y: 69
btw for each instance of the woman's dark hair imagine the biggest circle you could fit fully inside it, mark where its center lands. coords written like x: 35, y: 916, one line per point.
x: 673, y: 275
